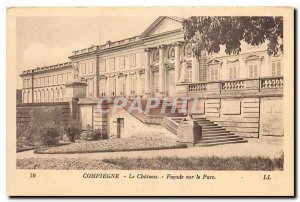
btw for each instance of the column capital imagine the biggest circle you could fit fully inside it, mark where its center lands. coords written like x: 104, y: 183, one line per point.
x: 162, y: 46
x: 148, y: 49
x: 177, y: 43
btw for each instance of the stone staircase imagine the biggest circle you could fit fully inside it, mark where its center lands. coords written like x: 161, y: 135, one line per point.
x: 157, y: 110
x: 154, y: 116
x: 212, y: 133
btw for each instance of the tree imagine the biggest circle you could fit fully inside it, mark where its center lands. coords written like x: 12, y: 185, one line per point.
x: 209, y: 33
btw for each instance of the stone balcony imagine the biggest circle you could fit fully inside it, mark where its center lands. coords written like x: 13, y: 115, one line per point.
x: 241, y: 87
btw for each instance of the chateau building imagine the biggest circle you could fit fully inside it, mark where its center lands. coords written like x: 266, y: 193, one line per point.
x: 242, y: 93
x: 149, y: 64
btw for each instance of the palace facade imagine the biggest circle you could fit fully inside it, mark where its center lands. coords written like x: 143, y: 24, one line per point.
x: 149, y: 64
x: 242, y: 94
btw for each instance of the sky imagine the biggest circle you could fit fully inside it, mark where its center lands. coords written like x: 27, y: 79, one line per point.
x: 43, y: 41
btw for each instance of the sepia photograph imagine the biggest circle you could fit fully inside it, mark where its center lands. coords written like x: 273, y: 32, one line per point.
x: 154, y: 92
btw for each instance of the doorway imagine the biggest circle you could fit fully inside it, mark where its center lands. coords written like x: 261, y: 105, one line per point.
x: 120, y: 127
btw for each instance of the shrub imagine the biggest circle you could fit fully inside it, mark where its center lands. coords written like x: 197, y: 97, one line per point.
x: 28, y: 134
x: 73, y: 131
x: 49, y: 135
x: 94, y: 135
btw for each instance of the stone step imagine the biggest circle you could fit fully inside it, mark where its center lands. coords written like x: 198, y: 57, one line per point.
x: 220, y: 140
x: 225, y: 137
x: 212, y: 128
x: 220, y: 143
x: 215, y: 132
x: 225, y: 133
x: 209, y: 125
x: 204, y: 121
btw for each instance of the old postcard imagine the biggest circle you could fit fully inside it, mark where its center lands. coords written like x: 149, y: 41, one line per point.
x: 150, y: 101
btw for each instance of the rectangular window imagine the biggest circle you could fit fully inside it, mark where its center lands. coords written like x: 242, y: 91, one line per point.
x: 156, y: 82
x: 132, y: 85
x: 122, y: 86
x: 38, y: 82
x: 54, y: 79
x: 34, y: 82
x: 91, y: 67
x: 232, y: 72
x: 122, y: 62
x: 91, y: 88
x: 142, y: 58
x: 117, y: 63
x: 46, y: 80
x: 24, y: 83
x: 214, y: 74
x: 65, y: 78
x: 253, y: 70
x: 142, y: 81
x: 132, y: 60
x: 83, y: 68
x: 276, y: 68
x: 102, y: 66
x: 188, y: 75
x: 60, y: 78
x: 112, y: 87
x: 42, y: 81
x: 112, y: 64
x: 28, y: 83
x: 102, y: 87
x: 69, y: 77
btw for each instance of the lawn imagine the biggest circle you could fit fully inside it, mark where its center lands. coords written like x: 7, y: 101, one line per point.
x: 64, y: 164
x: 158, y: 163
x: 198, y: 163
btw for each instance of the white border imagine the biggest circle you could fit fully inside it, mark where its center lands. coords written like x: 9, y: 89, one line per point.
x: 57, y: 3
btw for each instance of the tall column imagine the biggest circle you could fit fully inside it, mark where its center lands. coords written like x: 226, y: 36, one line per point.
x: 161, y: 75
x: 97, y: 89
x: 107, y: 87
x: 117, y: 86
x: 147, y: 71
x: 195, y: 69
x: 138, y: 83
x: 127, y: 85
x: 32, y: 87
x: 177, y: 61
x: 95, y: 86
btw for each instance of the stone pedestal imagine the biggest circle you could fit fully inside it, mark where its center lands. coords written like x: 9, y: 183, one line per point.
x: 75, y: 89
x: 189, y: 131
x: 181, y: 89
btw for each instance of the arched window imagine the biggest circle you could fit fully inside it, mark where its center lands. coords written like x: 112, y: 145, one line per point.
x: 52, y: 95
x: 28, y: 97
x: 34, y: 96
x: 112, y: 87
x: 60, y: 94
x: 24, y: 97
x: 42, y: 96
x: 56, y: 95
x: 38, y: 96
x: 47, y: 96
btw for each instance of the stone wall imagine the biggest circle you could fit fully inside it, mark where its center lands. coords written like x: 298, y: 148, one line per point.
x: 90, y: 117
x: 246, y: 117
x: 132, y: 126
x: 45, y: 112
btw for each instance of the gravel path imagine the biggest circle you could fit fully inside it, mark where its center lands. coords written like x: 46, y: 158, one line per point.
x: 272, y: 147
x: 126, y: 144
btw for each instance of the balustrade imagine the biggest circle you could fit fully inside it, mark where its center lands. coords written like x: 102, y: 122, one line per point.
x: 236, y: 85
x: 274, y: 82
